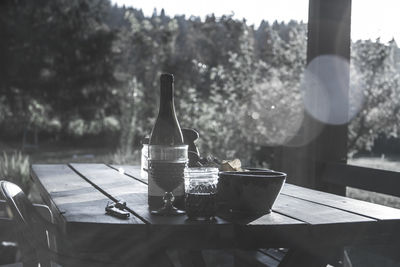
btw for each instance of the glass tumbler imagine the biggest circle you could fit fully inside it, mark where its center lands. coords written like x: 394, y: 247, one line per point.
x: 200, y: 192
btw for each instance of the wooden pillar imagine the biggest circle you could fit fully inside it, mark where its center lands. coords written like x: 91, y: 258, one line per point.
x: 329, y: 37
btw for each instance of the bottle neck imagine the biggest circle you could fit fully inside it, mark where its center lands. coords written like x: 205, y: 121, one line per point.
x: 166, y: 100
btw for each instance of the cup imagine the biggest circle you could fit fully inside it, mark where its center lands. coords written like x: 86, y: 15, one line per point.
x: 200, y: 192
x: 166, y: 178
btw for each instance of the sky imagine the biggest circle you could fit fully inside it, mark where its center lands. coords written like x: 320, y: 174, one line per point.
x: 370, y: 18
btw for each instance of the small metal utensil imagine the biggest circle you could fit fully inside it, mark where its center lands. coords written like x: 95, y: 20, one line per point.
x: 117, y: 210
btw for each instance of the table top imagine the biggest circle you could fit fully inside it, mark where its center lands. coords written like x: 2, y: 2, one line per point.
x: 78, y: 193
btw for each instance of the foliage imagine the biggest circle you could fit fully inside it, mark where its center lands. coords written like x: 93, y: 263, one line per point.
x: 239, y: 115
x: 129, y: 98
x: 375, y: 71
x: 123, y: 157
x: 90, y: 68
x: 217, y: 78
x: 80, y: 127
x: 14, y: 167
x: 56, y: 62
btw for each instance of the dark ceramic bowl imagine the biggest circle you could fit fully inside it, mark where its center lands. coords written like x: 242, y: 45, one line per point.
x: 249, y: 192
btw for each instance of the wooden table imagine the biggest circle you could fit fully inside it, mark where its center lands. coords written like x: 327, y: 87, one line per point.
x: 313, y: 224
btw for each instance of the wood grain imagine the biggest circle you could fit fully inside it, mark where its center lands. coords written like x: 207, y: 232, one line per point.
x: 133, y: 192
x: 314, y: 213
x: 79, y: 192
x: 71, y: 198
x: 359, y: 207
x: 132, y: 171
x: 376, y: 180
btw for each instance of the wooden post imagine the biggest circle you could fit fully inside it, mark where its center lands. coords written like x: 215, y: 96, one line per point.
x: 328, y: 35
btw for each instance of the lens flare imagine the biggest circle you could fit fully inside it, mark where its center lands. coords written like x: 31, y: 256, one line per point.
x: 327, y: 96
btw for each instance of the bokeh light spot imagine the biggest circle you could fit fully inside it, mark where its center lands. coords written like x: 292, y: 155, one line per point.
x: 326, y: 93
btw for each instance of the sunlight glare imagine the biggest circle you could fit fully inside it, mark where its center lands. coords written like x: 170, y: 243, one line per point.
x: 325, y: 91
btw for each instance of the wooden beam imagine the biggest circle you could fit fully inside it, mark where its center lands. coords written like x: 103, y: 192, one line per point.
x: 328, y: 35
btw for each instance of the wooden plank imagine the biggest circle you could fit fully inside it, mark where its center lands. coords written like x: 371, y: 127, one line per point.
x: 79, y: 211
x: 314, y: 213
x: 270, y: 230
x: 71, y: 198
x: 319, y: 224
x: 269, y: 219
x: 130, y: 190
x: 171, y: 231
x: 281, y: 227
x: 132, y: 171
x: 328, y: 226
x: 275, y: 218
x: 272, y: 218
x: 97, y: 173
x: 381, y: 181
x: 363, y: 208
x: 321, y: 214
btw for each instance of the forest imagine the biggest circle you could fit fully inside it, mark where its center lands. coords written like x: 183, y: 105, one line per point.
x: 72, y: 70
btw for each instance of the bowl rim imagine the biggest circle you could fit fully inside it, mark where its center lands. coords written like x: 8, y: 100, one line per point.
x: 254, y: 174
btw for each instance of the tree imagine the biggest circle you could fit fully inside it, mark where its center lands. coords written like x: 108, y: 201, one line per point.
x: 375, y: 73
x: 56, y: 60
x: 251, y: 103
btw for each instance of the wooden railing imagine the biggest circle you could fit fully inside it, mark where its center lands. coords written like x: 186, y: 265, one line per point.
x: 376, y: 180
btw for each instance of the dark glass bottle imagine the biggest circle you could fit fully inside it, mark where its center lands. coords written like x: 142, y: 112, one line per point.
x: 166, y: 132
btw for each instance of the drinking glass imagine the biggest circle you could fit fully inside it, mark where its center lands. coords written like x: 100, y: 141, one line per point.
x: 167, y: 168
x: 200, y: 192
